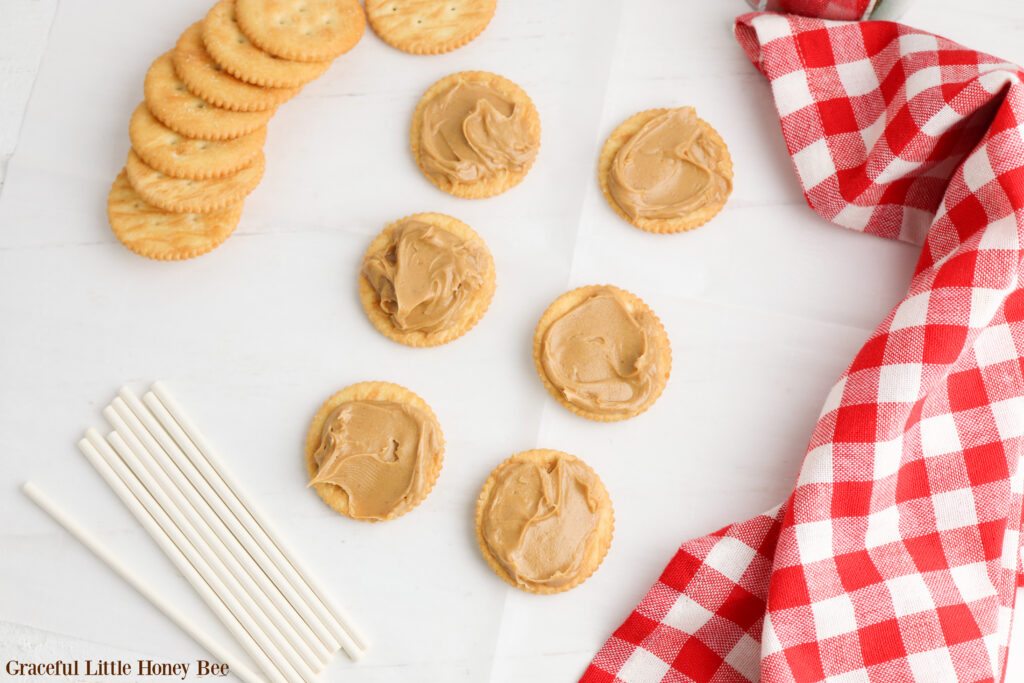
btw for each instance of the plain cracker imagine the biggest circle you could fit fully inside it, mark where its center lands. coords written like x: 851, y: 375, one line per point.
x: 303, y: 30
x: 176, y: 155
x: 230, y: 48
x: 429, y: 27
x: 170, y: 101
x: 181, y: 195
x: 161, y: 235
x: 206, y: 78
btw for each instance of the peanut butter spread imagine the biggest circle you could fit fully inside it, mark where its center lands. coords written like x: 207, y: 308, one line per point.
x: 426, y: 276
x: 539, y: 521
x: 472, y: 132
x: 376, y: 451
x: 601, y: 356
x: 669, y: 168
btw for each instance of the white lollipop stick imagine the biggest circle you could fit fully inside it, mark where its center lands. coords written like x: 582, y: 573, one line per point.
x: 249, y: 602
x: 86, y: 538
x: 206, y: 522
x: 206, y: 460
x: 207, y: 493
x: 184, y: 557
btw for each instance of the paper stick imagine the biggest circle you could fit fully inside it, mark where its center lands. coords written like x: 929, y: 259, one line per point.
x: 204, y: 457
x: 199, y: 515
x: 89, y: 540
x: 207, y: 493
x: 249, y: 602
x: 185, y: 560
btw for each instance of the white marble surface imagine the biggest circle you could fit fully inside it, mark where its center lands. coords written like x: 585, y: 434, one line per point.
x: 765, y: 307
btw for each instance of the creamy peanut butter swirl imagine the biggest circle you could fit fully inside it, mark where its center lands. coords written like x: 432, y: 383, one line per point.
x: 602, y: 356
x: 539, y: 521
x: 426, y: 276
x: 376, y: 451
x: 472, y: 132
x: 670, y: 168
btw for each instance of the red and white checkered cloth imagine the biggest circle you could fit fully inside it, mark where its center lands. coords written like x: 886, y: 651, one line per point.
x: 896, y: 557
x: 825, y: 9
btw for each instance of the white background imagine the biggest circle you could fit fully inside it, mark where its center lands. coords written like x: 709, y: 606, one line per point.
x: 765, y: 306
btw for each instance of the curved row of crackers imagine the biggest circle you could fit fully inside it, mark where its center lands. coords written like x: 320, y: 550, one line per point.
x: 197, y: 139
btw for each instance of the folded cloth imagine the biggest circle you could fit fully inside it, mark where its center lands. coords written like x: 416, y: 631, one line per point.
x: 825, y: 9
x: 896, y: 557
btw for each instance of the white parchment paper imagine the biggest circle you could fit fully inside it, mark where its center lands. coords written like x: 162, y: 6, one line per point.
x: 764, y: 307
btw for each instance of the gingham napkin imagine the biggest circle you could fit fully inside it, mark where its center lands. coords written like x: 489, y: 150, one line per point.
x: 896, y: 557
x: 826, y: 9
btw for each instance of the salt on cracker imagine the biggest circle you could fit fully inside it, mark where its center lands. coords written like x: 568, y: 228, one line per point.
x: 632, y: 303
x: 429, y: 27
x: 178, y: 109
x: 620, y: 136
x: 179, y: 156
x: 183, y: 195
x: 302, y: 30
x: 335, y: 496
x: 471, y: 315
x: 230, y: 48
x: 162, y: 235
x: 206, y: 78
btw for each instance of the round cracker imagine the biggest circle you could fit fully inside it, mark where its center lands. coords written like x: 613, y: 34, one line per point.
x: 429, y: 27
x: 471, y: 315
x: 208, y: 79
x: 302, y: 30
x: 491, y: 186
x: 230, y: 48
x: 546, y: 457
x: 182, y: 195
x: 335, y: 496
x: 179, y: 156
x: 620, y: 136
x: 174, y: 106
x: 162, y: 235
x: 633, y: 303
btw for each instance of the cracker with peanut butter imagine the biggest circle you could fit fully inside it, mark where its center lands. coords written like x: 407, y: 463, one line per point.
x: 602, y: 353
x: 230, y: 48
x: 475, y: 134
x: 171, y: 102
x: 162, y: 235
x: 544, y: 521
x: 302, y: 30
x: 183, y: 195
x: 665, y: 170
x: 180, y: 156
x: 426, y: 280
x: 206, y: 78
x: 374, y: 451
x: 429, y: 27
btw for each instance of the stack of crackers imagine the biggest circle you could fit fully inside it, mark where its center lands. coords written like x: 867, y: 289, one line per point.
x: 197, y: 139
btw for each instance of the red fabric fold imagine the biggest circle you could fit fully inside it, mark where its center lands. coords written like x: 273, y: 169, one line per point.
x: 897, y: 555
x: 849, y: 10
